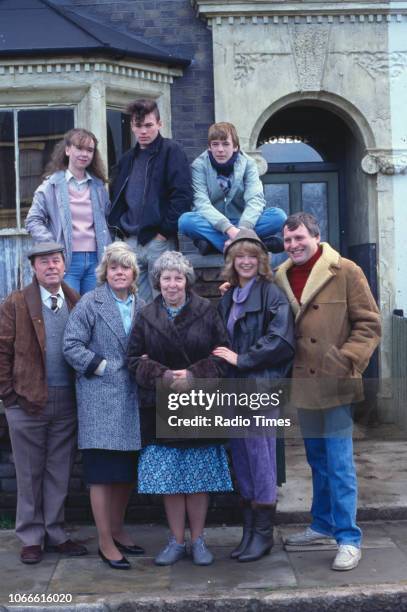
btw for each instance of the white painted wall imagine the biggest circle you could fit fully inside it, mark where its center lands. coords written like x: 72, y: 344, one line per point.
x: 398, y: 105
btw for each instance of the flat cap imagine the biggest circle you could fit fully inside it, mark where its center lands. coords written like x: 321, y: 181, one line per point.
x: 44, y: 248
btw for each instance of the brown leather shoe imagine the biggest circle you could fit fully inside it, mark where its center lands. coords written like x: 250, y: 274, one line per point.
x: 31, y: 554
x: 69, y: 548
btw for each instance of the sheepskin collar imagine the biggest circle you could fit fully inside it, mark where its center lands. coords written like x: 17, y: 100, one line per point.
x: 322, y: 272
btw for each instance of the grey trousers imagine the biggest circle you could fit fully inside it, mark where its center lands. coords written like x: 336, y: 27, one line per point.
x: 43, y: 450
x: 146, y: 257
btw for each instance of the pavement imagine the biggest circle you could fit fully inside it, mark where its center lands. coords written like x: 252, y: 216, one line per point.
x: 282, y: 581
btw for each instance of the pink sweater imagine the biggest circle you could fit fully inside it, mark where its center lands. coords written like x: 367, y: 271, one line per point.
x: 83, y: 231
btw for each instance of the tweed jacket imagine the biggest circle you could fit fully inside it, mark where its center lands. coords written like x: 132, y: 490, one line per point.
x: 23, y: 378
x: 337, y: 328
x: 108, y: 416
x: 49, y: 217
x: 245, y: 201
x: 185, y: 343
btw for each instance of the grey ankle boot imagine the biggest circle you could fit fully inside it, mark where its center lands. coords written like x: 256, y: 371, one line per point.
x: 248, y: 517
x: 262, y: 540
x: 201, y: 555
x: 172, y: 553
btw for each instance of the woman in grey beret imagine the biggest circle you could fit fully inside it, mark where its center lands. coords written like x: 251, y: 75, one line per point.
x: 261, y: 330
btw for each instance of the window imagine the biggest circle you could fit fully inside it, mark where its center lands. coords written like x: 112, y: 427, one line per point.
x: 27, y: 139
x: 119, y: 136
x: 289, y: 150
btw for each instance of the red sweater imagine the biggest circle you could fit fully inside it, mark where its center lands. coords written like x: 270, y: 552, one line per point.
x: 298, y: 274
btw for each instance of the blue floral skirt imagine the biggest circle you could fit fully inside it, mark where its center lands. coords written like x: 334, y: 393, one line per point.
x: 168, y: 470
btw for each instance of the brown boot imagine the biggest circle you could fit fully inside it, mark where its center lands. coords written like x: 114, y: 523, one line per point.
x: 31, y: 554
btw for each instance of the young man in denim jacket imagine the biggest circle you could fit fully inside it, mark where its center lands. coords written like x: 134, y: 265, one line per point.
x: 228, y: 195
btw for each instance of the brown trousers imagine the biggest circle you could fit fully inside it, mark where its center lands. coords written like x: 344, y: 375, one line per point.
x: 43, y: 450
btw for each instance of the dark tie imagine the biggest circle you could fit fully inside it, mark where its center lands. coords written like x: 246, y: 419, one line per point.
x: 54, y: 303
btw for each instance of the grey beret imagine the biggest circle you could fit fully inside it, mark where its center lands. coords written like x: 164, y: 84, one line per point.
x: 246, y: 234
x: 45, y: 248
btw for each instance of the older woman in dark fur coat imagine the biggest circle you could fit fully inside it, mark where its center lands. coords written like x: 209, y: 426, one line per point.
x: 173, y: 342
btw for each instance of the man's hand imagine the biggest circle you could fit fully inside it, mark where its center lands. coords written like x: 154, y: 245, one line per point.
x: 232, y: 232
x: 225, y: 353
x: 224, y: 287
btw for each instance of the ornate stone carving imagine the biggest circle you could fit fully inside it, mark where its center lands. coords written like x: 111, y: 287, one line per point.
x: 381, y: 120
x: 382, y: 63
x: 246, y: 63
x: 310, y: 46
x: 385, y: 163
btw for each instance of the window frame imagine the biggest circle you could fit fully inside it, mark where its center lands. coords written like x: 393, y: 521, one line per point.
x: 15, y: 109
x: 88, y: 84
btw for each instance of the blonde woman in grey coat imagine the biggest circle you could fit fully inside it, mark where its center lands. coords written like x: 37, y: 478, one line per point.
x: 95, y: 345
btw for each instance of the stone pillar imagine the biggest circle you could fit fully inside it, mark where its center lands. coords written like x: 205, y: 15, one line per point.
x: 91, y: 115
x: 398, y: 168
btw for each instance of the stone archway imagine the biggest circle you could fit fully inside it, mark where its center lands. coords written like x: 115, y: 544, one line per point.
x: 348, y: 137
x: 314, y: 156
x: 338, y: 105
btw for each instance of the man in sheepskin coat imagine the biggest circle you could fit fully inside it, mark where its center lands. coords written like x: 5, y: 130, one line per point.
x: 337, y: 329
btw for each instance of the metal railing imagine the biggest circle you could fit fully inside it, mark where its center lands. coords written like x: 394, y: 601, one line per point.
x: 399, y: 367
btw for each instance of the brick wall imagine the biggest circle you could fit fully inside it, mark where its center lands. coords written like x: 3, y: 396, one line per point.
x: 172, y: 25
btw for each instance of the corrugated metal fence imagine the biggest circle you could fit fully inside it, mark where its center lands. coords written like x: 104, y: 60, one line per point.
x: 399, y: 369
x: 15, y: 269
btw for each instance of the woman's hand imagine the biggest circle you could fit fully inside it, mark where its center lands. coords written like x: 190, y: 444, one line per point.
x: 181, y: 381
x: 223, y: 288
x: 225, y: 353
x: 179, y: 374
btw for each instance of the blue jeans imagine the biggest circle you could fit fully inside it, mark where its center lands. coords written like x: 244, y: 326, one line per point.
x: 329, y: 449
x: 81, y: 274
x: 146, y: 257
x: 195, y: 226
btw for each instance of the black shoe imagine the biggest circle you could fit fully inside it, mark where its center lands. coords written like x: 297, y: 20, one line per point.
x: 130, y: 550
x: 262, y: 540
x: 274, y: 244
x: 247, y: 532
x: 204, y: 246
x: 122, y: 564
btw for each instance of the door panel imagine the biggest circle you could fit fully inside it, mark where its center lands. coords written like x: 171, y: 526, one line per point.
x: 278, y: 194
x: 313, y: 192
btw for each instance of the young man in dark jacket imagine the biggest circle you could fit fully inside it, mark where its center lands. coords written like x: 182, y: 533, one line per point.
x: 150, y: 191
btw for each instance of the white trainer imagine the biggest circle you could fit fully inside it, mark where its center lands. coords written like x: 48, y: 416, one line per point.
x: 347, y: 557
x: 308, y: 537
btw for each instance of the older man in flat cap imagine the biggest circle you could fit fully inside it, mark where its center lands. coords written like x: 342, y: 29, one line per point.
x: 36, y: 386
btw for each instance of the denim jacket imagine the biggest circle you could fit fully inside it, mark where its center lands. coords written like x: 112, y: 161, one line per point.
x: 243, y: 204
x: 49, y: 217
